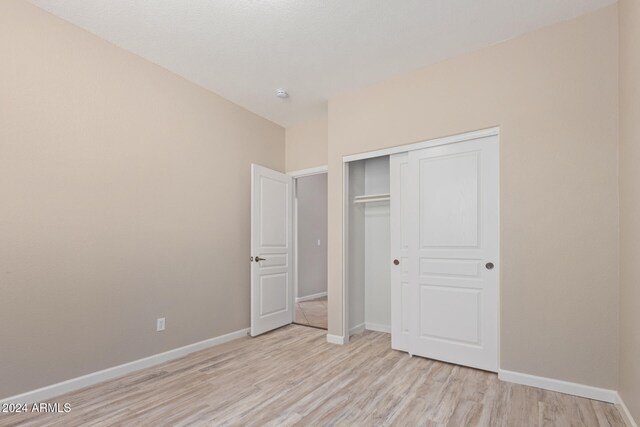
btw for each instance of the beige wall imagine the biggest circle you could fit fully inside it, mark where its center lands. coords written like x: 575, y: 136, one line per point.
x: 306, y: 145
x: 125, y: 197
x: 123, y: 204
x: 630, y: 205
x: 554, y: 93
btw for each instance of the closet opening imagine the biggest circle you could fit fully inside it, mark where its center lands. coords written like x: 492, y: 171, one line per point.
x: 421, y: 256
x: 310, y: 243
x: 368, y: 246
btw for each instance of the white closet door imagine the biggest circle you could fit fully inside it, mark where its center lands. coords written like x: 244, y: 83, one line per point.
x: 400, y: 236
x: 453, y: 253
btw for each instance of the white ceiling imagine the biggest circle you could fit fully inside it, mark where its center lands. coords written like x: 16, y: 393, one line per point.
x: 245, y: 49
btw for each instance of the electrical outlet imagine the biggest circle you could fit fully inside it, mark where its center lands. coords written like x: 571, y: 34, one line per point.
x: 160, y: 324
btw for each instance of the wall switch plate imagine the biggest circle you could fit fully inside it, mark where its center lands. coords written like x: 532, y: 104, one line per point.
x: 160, y: 324
x: 318, y: 242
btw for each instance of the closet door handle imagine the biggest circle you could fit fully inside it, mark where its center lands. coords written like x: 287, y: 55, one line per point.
x: 396, y: 262
x: 258, y: 259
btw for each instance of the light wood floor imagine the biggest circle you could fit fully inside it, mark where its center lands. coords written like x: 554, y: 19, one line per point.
x: 312, y: 313
x: 293, y: 377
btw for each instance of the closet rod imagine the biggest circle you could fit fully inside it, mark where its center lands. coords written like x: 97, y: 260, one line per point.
x: 372, y: 198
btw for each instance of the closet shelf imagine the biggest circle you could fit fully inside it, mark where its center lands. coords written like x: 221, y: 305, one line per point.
x: 372, y: 198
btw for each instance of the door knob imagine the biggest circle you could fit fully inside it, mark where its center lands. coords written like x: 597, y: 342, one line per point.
x: 489, y: 265
x: 258, y: 259
x: 396, y: 262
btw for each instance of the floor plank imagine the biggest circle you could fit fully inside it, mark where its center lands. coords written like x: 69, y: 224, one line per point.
x: 292, y: 377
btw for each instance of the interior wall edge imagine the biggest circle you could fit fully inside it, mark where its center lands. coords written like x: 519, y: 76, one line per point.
x: 629, y: 201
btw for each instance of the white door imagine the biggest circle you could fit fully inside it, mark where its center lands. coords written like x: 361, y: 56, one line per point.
x: 271, y: 250
x: 400, y: 237
x: 450, y: 288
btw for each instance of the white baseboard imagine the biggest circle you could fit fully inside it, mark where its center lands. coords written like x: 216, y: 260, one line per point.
x: 624, y: 411
x: 358, y: 329
x: 560, y: 386
x: 377, y: 327
x: 44, y: 393
x: 310, y: 297
x: 336, y: 339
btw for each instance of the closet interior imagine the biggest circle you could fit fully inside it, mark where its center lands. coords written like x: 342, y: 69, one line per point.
x: 368, y: 245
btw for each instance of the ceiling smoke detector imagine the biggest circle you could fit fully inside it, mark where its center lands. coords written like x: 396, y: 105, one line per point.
x: 281, y: 93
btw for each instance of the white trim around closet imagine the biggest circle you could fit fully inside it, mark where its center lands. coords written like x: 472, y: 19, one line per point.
x: 424, y: 144
x: 346, y: 333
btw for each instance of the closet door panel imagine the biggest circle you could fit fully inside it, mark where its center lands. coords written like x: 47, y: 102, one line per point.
x: 454, y: 296
x: 400, y: 243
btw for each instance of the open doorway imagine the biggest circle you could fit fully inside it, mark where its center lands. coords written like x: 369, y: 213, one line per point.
x: 310, y: 288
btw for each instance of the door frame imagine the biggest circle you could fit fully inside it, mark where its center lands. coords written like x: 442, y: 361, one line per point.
x: 295, y: 175
x: 467, y: 136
